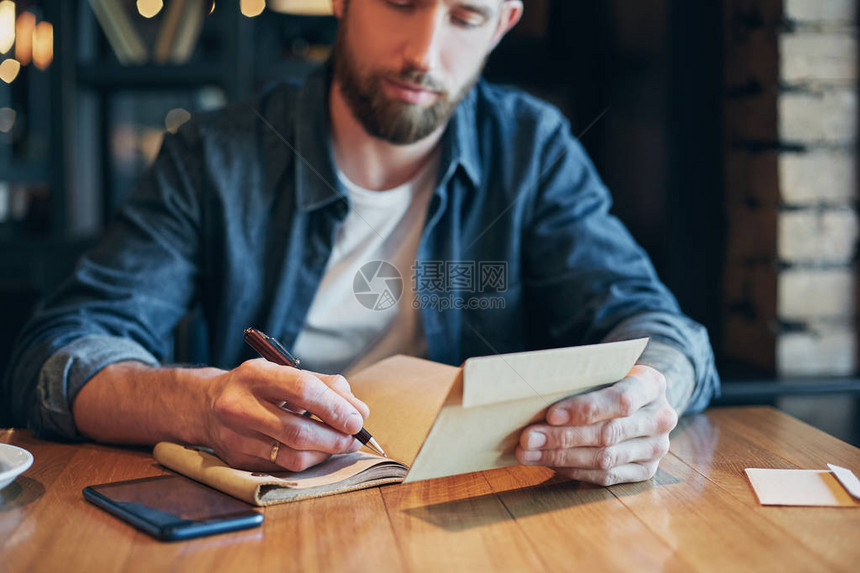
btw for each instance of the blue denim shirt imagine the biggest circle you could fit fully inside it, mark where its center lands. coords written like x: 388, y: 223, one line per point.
x: 239, y: 212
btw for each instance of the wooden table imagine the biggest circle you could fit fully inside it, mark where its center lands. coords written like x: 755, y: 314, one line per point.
x: 697, y: 514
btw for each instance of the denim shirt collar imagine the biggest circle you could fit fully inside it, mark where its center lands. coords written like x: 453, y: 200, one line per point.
x: 316, y: 174
x: 460, y: 142
x: 316, y: 180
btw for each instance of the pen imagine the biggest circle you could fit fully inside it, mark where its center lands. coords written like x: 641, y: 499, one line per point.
x: 273, y: 351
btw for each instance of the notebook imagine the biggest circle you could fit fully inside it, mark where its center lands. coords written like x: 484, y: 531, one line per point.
x: 432, y: 419
x: 338, y: 474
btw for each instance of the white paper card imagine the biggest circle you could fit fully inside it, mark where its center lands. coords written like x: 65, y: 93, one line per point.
x: 799, y: 488
x: 848, y: 480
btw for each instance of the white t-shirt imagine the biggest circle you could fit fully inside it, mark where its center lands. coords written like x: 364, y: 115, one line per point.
x: 362, y: 311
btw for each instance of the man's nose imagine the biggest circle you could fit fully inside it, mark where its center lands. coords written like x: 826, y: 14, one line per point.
x: 423, y: 46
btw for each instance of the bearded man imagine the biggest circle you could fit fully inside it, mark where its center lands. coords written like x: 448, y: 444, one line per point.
x: 392, y: 161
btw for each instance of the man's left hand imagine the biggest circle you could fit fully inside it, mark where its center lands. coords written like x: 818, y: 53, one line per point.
x: 615, y: 435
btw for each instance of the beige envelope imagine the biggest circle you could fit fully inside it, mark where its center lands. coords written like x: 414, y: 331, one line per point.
x: 443, y: 421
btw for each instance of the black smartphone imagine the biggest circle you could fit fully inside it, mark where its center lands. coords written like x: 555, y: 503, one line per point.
x: 172, y: 507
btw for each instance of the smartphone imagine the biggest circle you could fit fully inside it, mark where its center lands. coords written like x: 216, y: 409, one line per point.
x: 173, y: 507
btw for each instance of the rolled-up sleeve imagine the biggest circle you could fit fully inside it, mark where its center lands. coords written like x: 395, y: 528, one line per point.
x: 689, y: 339
x: 67, y: 370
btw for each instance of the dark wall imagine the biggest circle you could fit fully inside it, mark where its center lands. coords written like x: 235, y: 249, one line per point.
x: 641, y: 83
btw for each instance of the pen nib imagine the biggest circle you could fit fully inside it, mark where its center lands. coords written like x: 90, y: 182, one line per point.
x: 373, y: 445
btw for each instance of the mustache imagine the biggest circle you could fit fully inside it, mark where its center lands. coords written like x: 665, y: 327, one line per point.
x: 420, y: 79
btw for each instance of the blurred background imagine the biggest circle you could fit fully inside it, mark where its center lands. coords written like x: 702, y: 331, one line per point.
x: 726, y: 130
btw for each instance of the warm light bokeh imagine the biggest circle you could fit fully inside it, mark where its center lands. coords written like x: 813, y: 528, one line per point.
x: 304, y: 7
x: 24, y: 29
x: 251, y: 8
x: 175, y: 118
x: 149, y: 8
x: 43, y: 45
x: 9, y: 70
x: 7, y: 25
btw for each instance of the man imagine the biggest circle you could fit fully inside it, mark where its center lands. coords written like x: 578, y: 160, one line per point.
x: 267, y: 215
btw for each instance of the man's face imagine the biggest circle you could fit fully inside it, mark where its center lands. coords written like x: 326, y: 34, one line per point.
x: 404, y: 65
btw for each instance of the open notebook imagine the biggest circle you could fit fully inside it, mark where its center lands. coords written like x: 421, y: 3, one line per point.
x: 432, y: 419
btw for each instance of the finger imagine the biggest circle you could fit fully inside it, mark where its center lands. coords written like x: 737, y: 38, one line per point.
x: 652, y: 420
x: 627, y: 473
x: 247, y: 450
x: 297, y: 460
x: 285, y: 462
x: 285, y: 458
x: 290, y: 407
x: 295, y: 430
x: 642, y: 386
x: 340, y: 385
x: 602, y: 458
x: 303, y: 390
x: 250, y: 450
x: 300, y: 460
x: 301, y: 433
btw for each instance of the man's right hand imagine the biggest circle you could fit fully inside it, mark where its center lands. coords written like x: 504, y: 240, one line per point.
x: 238, y: 413
x: 245, y: 416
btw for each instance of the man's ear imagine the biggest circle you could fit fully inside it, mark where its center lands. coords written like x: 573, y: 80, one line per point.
x: 512, y: 11
x: 337, y: 8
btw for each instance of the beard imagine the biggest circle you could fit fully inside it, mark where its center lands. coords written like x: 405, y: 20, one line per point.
x: 394, y: 121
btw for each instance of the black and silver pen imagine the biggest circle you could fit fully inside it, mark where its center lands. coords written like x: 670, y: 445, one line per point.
x: 273, y: 351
